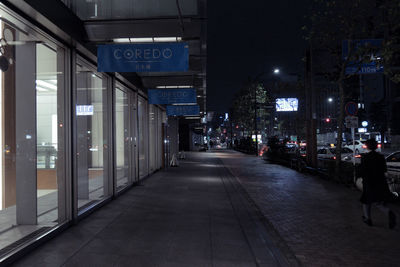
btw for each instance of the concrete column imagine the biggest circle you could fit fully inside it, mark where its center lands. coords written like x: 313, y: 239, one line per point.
x: 25, y: 91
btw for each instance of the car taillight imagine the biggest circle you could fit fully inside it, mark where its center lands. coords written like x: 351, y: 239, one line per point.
x: 357, y: 156
x: 379, y: 145
x: 364, y: 146
x: 334, y: 157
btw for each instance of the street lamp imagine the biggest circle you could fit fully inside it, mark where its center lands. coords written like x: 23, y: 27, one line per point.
x: 330, y: 99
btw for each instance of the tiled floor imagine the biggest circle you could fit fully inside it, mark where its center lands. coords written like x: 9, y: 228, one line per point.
x: 319, y: 220
x: 193, y: 215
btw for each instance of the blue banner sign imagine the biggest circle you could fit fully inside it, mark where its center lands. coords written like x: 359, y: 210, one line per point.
x: 363, y: 67
x: 183, y: 110
x: 172, y: 96
x: 155, y: 57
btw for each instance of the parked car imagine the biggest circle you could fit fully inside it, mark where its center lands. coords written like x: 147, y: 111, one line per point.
x: 330, y: 153
x: 360, y: 146
x: 393, y: 174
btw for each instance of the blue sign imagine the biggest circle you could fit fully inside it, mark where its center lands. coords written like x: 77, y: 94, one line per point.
x: 155, y: 57
x: 187, y: 110
x: 362, y: 67
x: 351, y: 108
x: 172, y: 96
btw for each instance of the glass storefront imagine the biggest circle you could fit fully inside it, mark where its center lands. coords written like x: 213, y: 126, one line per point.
x: 143, y: 142
x: 92, y: 136
x: 32, y: 131
x: 152, y: 137
x: 55, y: 134
x: 125, y: 136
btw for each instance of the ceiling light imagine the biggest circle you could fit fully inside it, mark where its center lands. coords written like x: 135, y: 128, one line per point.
x: 141, y: 40
x: 167, y: 39
x: 184, y: 104
x: 173, y: 86
x: 148, y: 40
x: 192, y: 118
x: 121, y: 40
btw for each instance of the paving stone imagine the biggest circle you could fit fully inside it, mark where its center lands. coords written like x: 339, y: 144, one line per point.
x: 319, y: 220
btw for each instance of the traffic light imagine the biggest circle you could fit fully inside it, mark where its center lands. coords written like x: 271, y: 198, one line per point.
x: 327, y: 120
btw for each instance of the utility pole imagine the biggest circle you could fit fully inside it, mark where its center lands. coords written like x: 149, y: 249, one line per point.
x: 231, y: 123
x: 255, y: 117
x: 311, y: 115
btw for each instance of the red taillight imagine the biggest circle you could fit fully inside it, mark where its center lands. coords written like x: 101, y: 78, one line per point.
x: 334, y: 157
x: 357, y: 156
x: 379, y: 145
x: 364, y: 146
x: 303, y: 155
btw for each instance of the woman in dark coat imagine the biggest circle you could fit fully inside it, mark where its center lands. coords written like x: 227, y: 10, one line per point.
x: 375, y: 188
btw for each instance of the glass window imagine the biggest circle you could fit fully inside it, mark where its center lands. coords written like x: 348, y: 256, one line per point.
x: 153, y: 137
x: 143, y: 137
x: 32, y: 132
x: 92, y: 159
x: 122, y: 137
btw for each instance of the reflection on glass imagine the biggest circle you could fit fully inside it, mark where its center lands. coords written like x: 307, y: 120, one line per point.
x: 91, y: 151
x: 152, y: 137
x: 143, y: 137
x: 122, y: 137
x: 31, y: 138
x: 46, y: 133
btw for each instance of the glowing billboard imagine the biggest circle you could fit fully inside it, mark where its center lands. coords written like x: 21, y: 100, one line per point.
x: 287, y: 104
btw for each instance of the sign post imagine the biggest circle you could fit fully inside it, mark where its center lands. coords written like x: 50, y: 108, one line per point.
x: 351, y: 109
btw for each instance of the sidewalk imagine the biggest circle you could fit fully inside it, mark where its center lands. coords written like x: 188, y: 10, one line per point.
x: 193, y: 215
x: 319, y: 220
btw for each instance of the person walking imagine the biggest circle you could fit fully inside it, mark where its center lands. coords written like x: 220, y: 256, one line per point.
x: 375, y: 188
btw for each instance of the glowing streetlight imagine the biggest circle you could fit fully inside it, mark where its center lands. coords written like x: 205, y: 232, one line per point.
x: 276, y: 71
x: 330, y: 100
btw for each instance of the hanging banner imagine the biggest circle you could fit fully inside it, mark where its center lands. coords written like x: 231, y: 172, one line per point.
x: 183, y: 110
x: 154, y: 57
x: 172, y: 96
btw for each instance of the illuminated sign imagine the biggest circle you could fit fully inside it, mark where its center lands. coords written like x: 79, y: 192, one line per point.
x: 287, y: 104
x: 84, y: 110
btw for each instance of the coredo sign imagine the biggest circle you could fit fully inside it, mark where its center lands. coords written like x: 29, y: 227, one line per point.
x: 172, y: 96
x: 154, y: 57
x: 183, y: 110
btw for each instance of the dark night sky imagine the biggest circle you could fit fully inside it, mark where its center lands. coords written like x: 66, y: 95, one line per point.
x: 249, y: 37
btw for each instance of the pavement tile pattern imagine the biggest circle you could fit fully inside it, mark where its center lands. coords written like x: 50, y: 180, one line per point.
x: 192, y: 215
x: 318, y: 219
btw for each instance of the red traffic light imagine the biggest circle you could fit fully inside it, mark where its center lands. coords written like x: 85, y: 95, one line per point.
x: 328, y: 120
